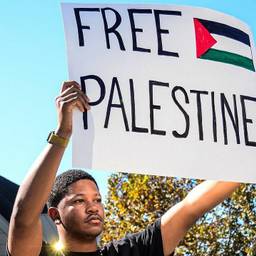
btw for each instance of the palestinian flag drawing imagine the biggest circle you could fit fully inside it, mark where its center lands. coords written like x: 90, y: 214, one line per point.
x: 220, y: 42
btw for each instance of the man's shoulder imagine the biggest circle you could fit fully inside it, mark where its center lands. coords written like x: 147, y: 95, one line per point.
x: 47, y: 250
x: 145, y: 242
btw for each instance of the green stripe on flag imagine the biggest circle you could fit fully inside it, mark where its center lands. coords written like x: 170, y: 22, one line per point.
x: 228, y: 57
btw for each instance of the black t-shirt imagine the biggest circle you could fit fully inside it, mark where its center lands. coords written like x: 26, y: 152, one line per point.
x: 145, y: 243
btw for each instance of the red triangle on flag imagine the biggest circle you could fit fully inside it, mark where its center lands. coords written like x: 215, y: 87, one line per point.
x: 204, y: 40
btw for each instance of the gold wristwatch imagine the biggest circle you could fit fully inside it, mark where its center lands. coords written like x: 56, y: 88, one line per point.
x: 57, y: 140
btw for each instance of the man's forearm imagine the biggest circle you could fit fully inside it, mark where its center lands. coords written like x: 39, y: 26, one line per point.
x: 25, y: 229
x: 35, y: 190
x: 177, y: 220
x: 207, y: 195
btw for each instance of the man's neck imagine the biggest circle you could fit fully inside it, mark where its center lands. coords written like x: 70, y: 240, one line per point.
x: 74, y: 245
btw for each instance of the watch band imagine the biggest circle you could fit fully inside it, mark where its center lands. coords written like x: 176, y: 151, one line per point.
x: 57, y: 140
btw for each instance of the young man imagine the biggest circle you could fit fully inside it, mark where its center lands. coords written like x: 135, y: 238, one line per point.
x: 75, y: 202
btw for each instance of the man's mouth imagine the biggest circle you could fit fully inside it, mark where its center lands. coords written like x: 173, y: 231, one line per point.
x: 94, y: 219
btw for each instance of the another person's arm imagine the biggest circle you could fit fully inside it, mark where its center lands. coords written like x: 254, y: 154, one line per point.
x: 176, y: 221
x: 25, y: 230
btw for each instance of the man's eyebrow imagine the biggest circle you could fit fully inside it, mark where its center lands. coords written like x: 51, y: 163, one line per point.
x: 82, y: 194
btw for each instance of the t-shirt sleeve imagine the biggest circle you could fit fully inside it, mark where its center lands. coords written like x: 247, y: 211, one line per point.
x: 145, y: 243
x: 7, y: 251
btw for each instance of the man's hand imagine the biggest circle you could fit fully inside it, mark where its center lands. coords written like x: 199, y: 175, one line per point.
x: 70, y: 97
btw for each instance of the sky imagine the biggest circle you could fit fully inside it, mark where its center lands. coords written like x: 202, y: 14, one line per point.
x: 33, y: 64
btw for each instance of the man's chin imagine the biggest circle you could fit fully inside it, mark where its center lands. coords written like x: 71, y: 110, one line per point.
x: 93, y: 231
x: 86, y: 232
x: 87, y: 236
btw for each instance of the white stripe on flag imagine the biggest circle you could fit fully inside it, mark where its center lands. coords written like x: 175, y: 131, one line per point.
x: 232, y: 46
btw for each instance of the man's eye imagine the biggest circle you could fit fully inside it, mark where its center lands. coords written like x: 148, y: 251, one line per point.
x: 98, y: 200
x: 79, y: 201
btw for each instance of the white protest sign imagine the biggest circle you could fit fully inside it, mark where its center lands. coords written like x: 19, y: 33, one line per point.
x: 172, y: 90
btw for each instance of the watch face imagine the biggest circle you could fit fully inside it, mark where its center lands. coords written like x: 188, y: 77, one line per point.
x: 50, y: 136
x: 57, y: 140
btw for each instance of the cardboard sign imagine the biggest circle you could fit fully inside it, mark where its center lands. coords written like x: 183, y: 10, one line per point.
x: 172, y: 90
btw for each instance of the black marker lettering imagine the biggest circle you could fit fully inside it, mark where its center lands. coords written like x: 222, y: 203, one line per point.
x: 112, y: 29
x: 199, y: 112
x: 186, y: 116
x: 115, y: 86
x: 243, y: 98
x: 133, y: 112
x: 234, y: 119
x: 101, y: 97
x: 161, y: 31
x: 152, y: 107
x: 81, y: 27
x: 134, y: 30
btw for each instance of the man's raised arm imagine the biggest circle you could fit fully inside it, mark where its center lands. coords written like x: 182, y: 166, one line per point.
x: 177, y: 220
x: 25, y: 230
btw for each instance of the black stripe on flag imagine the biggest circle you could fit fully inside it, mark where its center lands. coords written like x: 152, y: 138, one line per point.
x: 225, y: 30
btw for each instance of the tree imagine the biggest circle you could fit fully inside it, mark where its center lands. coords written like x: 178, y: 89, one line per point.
x: 136, y: 200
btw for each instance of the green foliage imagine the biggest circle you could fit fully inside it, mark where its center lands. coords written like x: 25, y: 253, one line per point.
x: 135, y: 200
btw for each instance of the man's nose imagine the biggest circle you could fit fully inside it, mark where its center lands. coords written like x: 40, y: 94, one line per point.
x: 92, y: 207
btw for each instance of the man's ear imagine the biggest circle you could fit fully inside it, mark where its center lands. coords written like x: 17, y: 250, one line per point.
x: 53, y: 212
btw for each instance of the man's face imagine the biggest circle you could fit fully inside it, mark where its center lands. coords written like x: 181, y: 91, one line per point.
x: 81, y: 210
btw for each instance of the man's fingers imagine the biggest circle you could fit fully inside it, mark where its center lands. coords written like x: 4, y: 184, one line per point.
x: 69, y: 102
x: 68, y: 84
x: 85, y: 100
x: 71, y: 96
x: 86, y: 97
x: 73, y: 99
x: 70, y: 89
x: 78, y: 104
x: 74, y: 89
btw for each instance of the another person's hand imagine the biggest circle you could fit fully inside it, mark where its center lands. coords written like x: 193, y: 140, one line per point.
x: 70, y: 97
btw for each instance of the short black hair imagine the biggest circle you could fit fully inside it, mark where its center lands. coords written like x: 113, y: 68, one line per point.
x: 63, y: 181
